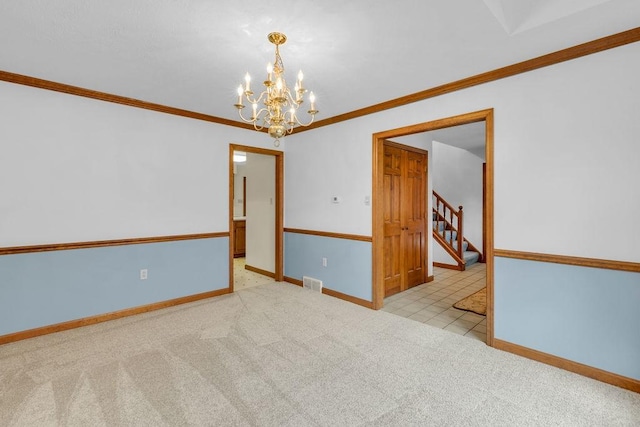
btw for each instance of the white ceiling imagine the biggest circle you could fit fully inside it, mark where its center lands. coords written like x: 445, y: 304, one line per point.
x: 192, y: 54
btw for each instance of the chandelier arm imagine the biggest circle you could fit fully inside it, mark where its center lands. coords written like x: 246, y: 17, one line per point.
x: 263, y: 114
x: 290, y: 99
x: 257, y: 118
x: 313, y: 116
x: 257, y: 100
x: 242, y: 117
x: 263, y: 111
x: 261, y: 122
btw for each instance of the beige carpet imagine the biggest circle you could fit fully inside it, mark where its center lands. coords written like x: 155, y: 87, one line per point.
x: 476, y: 302
x: 279, y: 355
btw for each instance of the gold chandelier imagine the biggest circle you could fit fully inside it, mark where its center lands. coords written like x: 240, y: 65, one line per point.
x: 278, y: 105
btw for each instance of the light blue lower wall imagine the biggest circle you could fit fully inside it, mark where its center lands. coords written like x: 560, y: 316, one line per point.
x: 348, y: 267
x: 45, y: 288
x: 587, y: 315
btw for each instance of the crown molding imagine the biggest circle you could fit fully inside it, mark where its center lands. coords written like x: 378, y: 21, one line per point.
x: 584, y: 49
x: 116, y: 99
x: 595, y: 46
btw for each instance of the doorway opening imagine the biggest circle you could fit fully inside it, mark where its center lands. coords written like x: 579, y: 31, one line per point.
x: 256, y: 191
x: 378, y: 204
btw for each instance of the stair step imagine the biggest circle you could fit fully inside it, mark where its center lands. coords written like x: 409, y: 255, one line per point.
x: 450, y: 237
x: 470, y: 257
x: 465, y: 245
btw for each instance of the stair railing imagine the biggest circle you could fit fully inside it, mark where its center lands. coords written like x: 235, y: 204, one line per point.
x: 453, y: 221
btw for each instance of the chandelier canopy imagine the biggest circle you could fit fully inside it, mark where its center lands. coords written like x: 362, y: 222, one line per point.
x: 276, y: 107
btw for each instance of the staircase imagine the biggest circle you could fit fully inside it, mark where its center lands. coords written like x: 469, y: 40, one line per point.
x: 448, y: 230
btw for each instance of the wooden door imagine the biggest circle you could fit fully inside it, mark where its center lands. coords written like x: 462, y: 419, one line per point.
x: 404, y: 194
x: 414, y: 201
x: 392, y: 220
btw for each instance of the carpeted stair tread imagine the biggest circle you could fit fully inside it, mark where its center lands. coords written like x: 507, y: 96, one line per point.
x: 470, y: 257
x: 465, y: 245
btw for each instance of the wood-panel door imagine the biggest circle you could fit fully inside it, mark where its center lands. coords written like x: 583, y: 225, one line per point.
x: 393, y: 254
x: 404, y: 194
x: 414, y: 214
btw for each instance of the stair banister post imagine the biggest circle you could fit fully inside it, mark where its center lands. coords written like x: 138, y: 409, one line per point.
x: 460, y: 231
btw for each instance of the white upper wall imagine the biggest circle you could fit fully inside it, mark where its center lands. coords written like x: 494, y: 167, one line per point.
x: 330, y: 161
x: 565, y: 158
x: 77, y: 169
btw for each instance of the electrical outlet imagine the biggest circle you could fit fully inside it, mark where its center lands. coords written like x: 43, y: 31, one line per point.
x: 143, y: 274
x: 324, y: 262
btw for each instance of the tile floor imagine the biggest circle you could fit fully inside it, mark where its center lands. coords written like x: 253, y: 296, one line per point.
x: 431, y: 303
x: 243, y: 279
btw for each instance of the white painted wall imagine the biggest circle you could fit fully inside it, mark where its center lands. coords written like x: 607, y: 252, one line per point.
x: 76, y: 169
x: 331, y: 161
x: 260, y: 170
x: 457, y: 177
x: 565, y: 151
x: 442, y: 256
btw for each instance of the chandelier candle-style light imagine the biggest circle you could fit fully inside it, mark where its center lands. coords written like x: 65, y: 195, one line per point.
x: 276, y: 107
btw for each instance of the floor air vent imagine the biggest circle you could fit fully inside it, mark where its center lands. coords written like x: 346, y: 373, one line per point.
x: 312, y: 284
